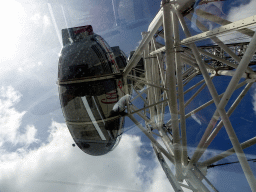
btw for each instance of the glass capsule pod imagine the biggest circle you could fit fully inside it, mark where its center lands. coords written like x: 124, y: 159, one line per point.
x: 90, y: 89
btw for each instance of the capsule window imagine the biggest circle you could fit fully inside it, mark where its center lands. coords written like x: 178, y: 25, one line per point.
x: 89, y: 134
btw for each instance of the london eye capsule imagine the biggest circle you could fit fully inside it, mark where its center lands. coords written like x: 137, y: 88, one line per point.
x: 90, y: 89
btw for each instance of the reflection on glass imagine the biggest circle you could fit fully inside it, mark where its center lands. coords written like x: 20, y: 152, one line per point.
x: 89, y: 89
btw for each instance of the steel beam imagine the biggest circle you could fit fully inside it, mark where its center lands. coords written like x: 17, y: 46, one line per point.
x: 168, y: 172
x: 152, y: 139
x: 182, y: 106
x: 221, y: 21
x: 227, y: 153
x: 220, y: 44
x: 171, y: 84
x: 221, y: 30
x: 156, y: 23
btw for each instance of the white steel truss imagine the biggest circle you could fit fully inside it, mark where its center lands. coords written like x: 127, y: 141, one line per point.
x: 168, y: 68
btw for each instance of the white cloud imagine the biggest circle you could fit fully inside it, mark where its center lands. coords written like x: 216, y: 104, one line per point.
x: 29, y: 49
x: 57, y: 166
x: 36, y: 18
x: 12, y: 17
x: 159, y: 180
x: 10, y: 118
x: 29, y: 137
x: 244, y: 10
x: 60, y: 167
x: 39, y: 19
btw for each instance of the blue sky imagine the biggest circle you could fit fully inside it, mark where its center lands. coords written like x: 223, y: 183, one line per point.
x: 35, y: 145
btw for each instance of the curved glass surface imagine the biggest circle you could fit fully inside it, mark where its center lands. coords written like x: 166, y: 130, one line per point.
x: 85, y: 56
x: 89, y: 114
x: 91, y: 100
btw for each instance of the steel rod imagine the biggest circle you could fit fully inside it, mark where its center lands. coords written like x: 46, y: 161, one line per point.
x: 189, y: 62
x: 221, y: 21
x: 193, y: 60
x: 149, y: 77
x: 189, y: 70
x: 227, y: 153
x: 189, y: 78
x: 171, y: 84
x: 198, y: 184
x: 180, y: 89
x: 221, y: 30
x: 160, y: 69
x: 160, y: 65
x: 157, y: 92
x: 149, y: 106
x: 166, y: 140
x: 211, y: 88
x: 229, y: 73
x: 145, y: 82
x: 157, y: 22
x: 153, y: 140
x: 230, y: 111
x: 216, y: 40
x: 211, y: 101
x: 189, y: 53
x: 221, y: 44
x: 194, y: 86
x: 168, y: 172
x: 143, y: 116
x: 207, y: 180
x: 195, y: 94
x: 221, y: 108
x: 139, y: 94
x: 218, y: 58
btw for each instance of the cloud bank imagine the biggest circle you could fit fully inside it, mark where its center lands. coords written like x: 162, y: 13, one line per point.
x: 244, y: 10
x: 57, y: 166
x: 10, y: 120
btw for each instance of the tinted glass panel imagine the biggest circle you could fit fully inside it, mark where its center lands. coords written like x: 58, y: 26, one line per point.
x: 100, y: 96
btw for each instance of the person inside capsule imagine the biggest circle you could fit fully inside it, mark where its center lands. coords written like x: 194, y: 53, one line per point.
x: 88, y: 101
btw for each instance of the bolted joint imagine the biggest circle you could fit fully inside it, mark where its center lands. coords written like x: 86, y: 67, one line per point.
x: 251, y: 76
x: 164, y: 2
x: 149, y: 128
x: 144, y: 33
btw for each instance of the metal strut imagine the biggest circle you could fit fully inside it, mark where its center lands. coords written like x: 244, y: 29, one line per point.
x: 174, y: 72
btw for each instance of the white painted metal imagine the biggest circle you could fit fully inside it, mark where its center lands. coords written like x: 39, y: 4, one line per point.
x: 164, y: 105
x: 157, y: 22
x: 182, y: 106
x: 210, y: 102
x: 220, y: 44
x: 176, y: 185
x: 171, y: 84
x: 221, y: 21
x: 227, y: 153
x: 229, y: 73
x: 153, y: 140
x: 241, y: 24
